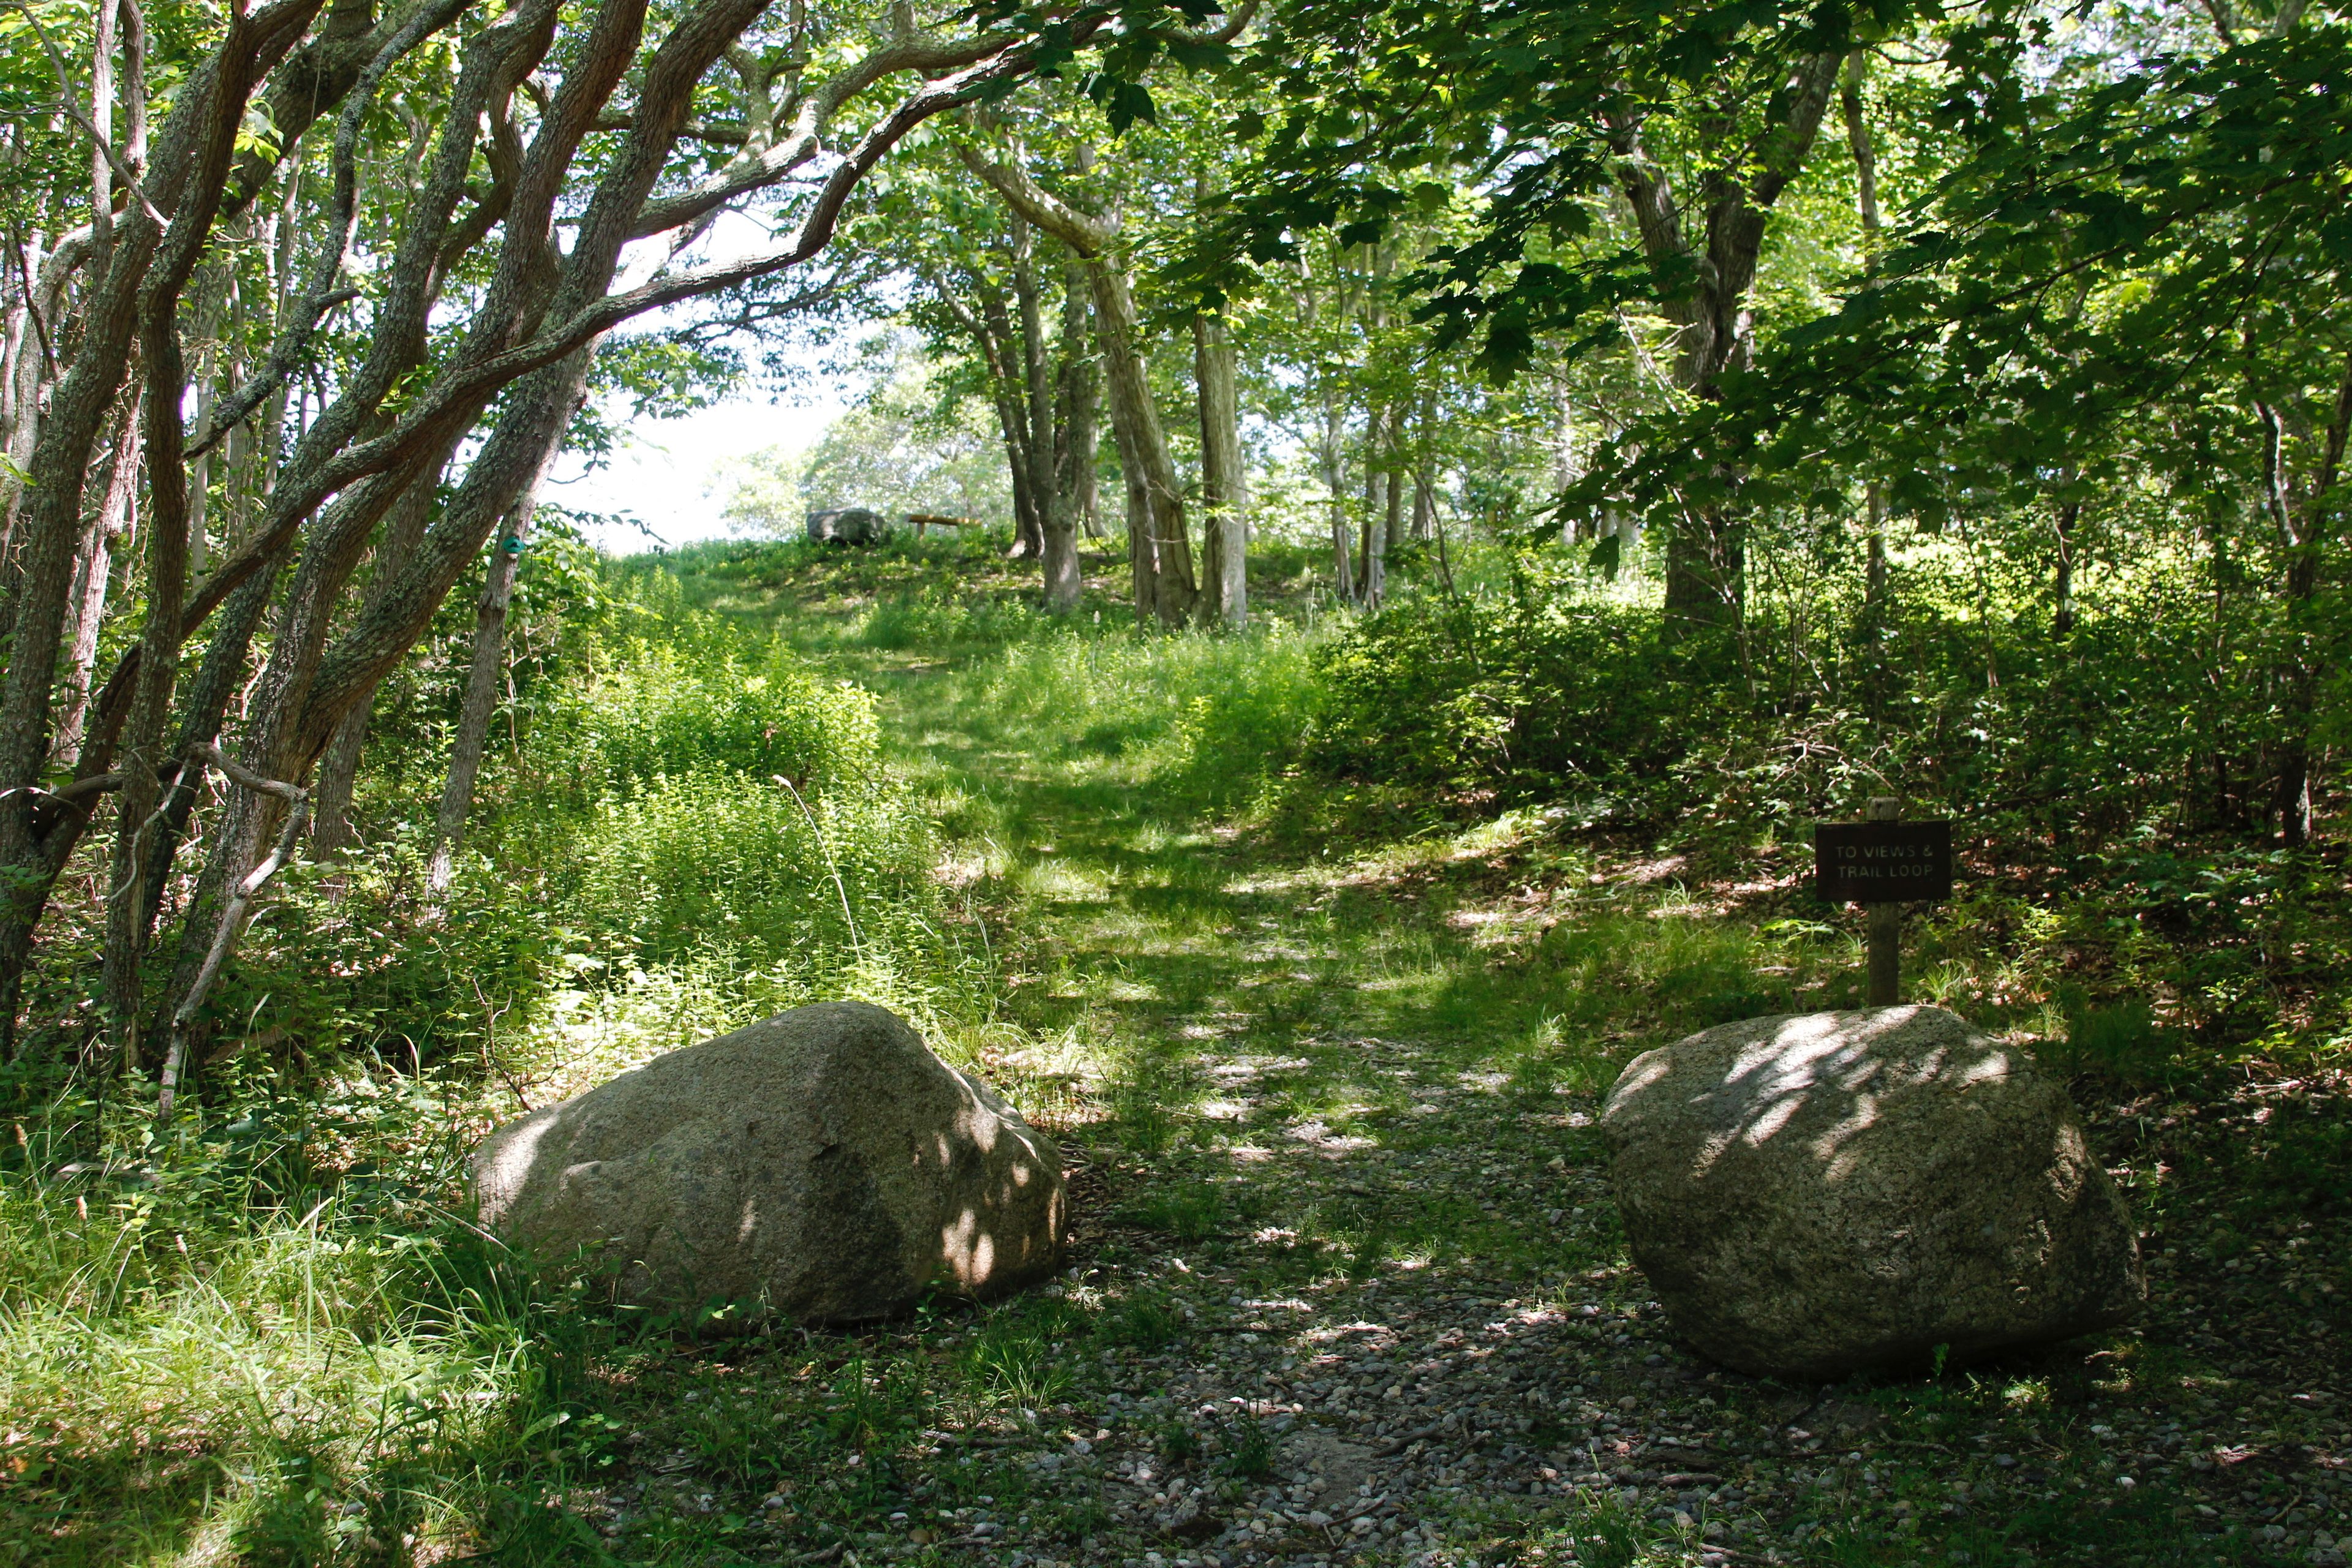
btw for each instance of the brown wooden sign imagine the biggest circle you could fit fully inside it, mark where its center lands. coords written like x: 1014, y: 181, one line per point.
x: 1882, y: 862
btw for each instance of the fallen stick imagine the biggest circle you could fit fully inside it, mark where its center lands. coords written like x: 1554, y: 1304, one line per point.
x: 1406, y: 1440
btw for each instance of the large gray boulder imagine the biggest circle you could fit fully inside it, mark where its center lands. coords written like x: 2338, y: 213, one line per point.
x: 822, y: 1164
x: 1816, y: 1194
x: 847, y: 525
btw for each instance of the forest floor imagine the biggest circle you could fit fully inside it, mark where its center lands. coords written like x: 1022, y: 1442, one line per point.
x: 1346, y: 1282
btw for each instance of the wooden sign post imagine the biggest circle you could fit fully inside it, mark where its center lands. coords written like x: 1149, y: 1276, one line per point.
x: 1882, y: 864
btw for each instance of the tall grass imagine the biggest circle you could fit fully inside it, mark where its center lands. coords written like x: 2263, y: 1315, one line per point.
x: 269, y: 1335
x: 1207, y: 722
x: 192, y: 1372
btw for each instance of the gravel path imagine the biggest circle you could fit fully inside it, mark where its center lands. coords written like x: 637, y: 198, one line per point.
x: 1285, y: 1401
x: 1347, y: 1288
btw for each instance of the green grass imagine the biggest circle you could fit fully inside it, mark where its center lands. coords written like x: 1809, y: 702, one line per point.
x: 1137, y: 925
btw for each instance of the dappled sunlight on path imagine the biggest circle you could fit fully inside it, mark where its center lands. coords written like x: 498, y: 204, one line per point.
x: 1347, y: 1287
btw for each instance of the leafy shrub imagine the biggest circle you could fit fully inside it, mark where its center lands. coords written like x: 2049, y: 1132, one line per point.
x: 703, y: 703
x: 355, y: 954
x: 1549, y: 689
x: 1505, y: 698
x: 725, y: 859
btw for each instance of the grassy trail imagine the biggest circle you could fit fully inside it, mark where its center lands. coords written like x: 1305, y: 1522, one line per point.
x: 1346, y: 1288
x: 1349, y: 1286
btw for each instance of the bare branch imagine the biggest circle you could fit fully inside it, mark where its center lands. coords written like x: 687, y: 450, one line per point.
x: 1089, y: 236
x: 1224, y: 34
x: 816, y: 114
x: 232, y: 917
x: 286, y: 356
x: 244, y: 777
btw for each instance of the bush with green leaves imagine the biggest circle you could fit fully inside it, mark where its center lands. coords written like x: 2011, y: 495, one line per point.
x: 703, y: 699
x: 679, y: 789
x: 698, y: 789
x: 726, y: 859
x: 1553, y: 687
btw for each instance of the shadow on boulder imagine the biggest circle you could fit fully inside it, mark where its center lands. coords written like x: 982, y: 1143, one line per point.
x: 822, y: 1165
x: 1819, y: 1194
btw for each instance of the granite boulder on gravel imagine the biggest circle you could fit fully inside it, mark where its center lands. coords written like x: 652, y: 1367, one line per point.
x: 823, y: 1163
x: 1818, y: 1193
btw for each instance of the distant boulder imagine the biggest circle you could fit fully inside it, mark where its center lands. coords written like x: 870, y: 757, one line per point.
x: 822, y: 1165
x: 1818, y: 1193
x: 847, y: 525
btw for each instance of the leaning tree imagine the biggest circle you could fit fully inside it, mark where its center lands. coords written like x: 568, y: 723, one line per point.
x: 394, y: 242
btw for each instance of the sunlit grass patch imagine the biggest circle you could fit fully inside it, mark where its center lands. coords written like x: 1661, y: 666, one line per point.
x: 1059, y: 880
x: 273, y: 1389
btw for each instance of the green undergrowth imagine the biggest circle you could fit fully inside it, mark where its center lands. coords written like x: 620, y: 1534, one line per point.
x: 2115, y: 860
x: 1098, y: 864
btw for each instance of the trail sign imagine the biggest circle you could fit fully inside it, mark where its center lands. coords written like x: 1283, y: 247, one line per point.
x: 1882, y: 862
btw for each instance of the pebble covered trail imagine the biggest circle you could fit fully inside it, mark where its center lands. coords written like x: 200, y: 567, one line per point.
x: 1314, y: 1411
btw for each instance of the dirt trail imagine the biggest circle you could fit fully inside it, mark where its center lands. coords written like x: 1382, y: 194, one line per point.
x: 1407, y: 1323
x: 1347, y: 1286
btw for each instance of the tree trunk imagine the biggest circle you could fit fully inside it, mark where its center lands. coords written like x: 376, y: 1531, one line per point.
x: 1865, y: 179
x: 1162, y: 548
x: 482, y: 684
x: 992, y: 335
x: 1224, y: 532
x: 49, y: 540
x: 1866, y: 157
x: 1007, y: 361
x: 34, y: 324
x: 338, y: 769
x: 1343, y: 572
x: 1706, y: 557
x: 34, y: 837
x: 1028, y: 530
x: 1393, y: 491
x: 1036, y: 385
x: 1371, y: 531
x: 1563, y: 459
x: 212, y: 298
x: 1141, y: 559
x: 93, y: 575
x: 1133, y: 406
x: 160, y: 794
x: 2305, y: 537
x: 2291, y: 794
x: 1706, y: 573
x: 1074, y: 451
x: 307, y: 688
x: 1424, y: 479
x: 1875, y: 580
x: 1087, y: 443
x: 2061, y: 590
